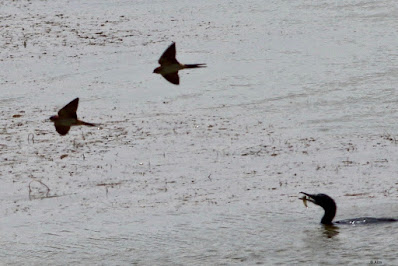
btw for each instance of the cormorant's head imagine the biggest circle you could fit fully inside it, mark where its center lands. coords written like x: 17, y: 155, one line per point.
x: 322, y: 200
x: 326, y: 202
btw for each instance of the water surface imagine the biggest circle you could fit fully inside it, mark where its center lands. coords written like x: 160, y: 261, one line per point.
x: 297, y: 96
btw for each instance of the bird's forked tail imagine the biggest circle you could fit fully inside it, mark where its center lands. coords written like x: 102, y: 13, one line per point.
x: 86, y: 123
x: 194, y: 65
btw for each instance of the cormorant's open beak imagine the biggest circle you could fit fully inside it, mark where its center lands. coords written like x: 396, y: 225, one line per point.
x: 307, y: 197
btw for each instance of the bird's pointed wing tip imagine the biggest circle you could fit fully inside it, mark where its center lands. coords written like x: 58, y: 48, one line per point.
x: 62, y: 130
x: 172, y: 78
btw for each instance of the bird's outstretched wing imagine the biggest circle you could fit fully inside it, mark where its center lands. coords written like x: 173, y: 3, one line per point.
x: 69, y: 110
x: 173, y: 78
x: 62, y: 130
x: 169, y: 56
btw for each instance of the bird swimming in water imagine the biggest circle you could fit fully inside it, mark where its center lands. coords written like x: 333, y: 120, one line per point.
x: 328, y: 204
x: 169, y: 66
x: 67, y: 117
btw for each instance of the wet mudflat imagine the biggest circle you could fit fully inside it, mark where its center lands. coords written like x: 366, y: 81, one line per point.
x: 297, y: 96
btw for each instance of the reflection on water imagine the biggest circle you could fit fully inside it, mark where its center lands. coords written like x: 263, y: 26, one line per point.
x: 331, y: 231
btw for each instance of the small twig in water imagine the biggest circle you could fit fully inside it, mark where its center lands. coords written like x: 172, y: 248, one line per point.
x: 30, y: 189
x: 33, y: 138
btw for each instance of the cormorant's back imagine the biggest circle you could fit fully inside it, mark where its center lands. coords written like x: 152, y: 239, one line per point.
x: 366, y: 220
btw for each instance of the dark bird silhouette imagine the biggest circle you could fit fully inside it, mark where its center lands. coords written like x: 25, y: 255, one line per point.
x: 67, y: 117
x: 328, y: 204
x: 169, y: 66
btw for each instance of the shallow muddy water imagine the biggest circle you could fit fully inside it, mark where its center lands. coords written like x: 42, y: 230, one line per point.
x: 297, y: 96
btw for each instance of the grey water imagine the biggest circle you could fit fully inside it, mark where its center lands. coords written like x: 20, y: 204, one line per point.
x: 296, y: 96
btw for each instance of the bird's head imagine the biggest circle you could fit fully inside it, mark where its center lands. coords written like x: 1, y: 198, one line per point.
x: 326, y: 202
x: 156, y: 70
x: 322, y: 200
x: 54, y: 118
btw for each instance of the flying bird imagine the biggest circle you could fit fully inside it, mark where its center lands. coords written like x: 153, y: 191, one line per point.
x: 169, y: 66
x: 67, y: 117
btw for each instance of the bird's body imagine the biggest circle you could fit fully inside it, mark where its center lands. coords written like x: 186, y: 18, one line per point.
x: 329, y: 205
x: 67, y: 117
x: 169, y: 66
x: 168, y: 69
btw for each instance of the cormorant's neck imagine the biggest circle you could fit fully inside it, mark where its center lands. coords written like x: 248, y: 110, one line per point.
x: 330, y: 212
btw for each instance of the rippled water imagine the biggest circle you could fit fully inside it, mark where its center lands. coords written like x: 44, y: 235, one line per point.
x: 297, y: 96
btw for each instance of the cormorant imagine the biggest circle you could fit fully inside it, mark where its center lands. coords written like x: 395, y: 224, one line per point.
x: 328, y: 204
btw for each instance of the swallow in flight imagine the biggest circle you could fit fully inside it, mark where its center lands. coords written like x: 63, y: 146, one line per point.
x: 67, y: 117
x: 169, y: 66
